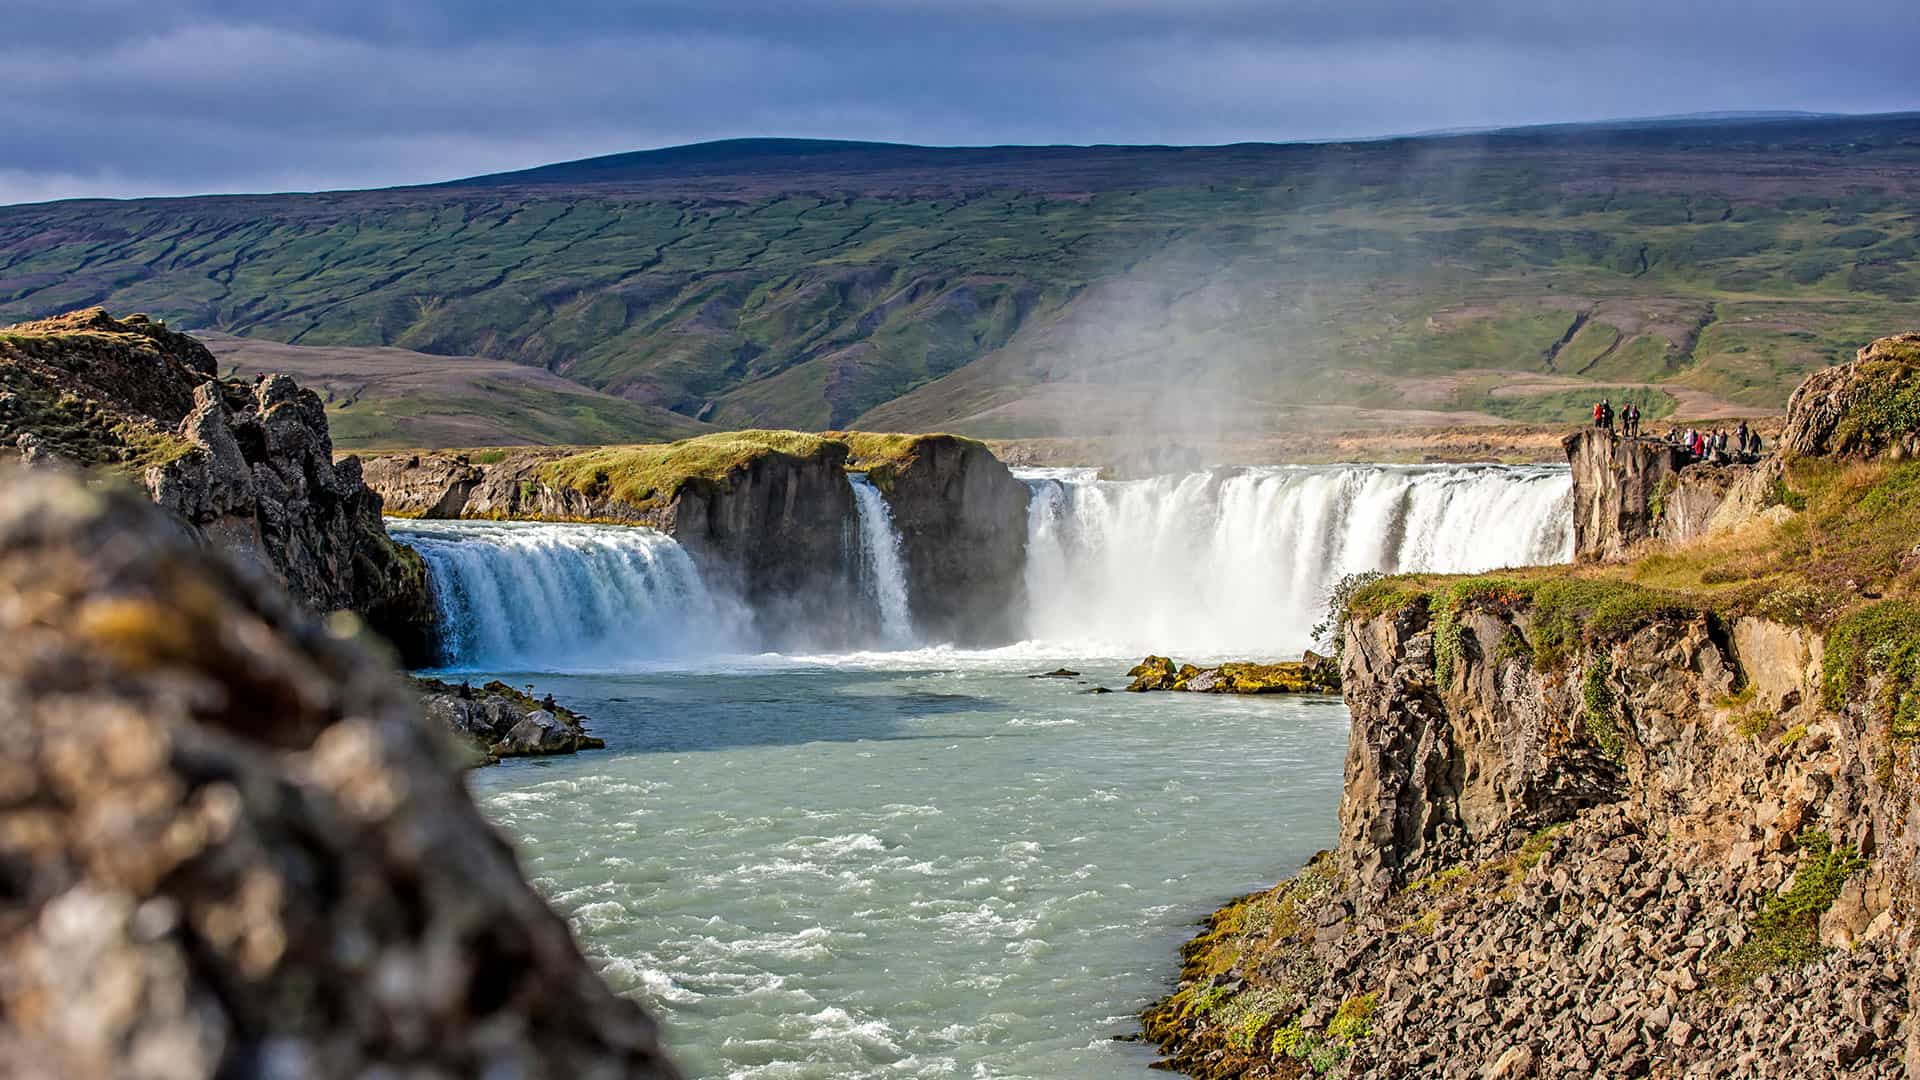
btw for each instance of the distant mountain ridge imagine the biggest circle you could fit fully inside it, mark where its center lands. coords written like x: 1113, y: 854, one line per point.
x: 1701, y: 265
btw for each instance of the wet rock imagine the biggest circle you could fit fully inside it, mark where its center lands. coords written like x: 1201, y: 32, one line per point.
x: 497, y: 721
x: 232, y: 846
x: 1159, y: 673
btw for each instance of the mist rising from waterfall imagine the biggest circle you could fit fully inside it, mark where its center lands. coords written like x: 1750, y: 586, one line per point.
x: 516, y: 595
x: 882, y: 571
x: 1237, y: 562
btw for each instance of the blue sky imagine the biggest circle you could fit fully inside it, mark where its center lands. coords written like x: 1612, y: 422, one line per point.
x: 118, y: 97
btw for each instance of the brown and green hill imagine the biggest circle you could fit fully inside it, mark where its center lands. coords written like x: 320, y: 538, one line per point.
x: 1701, y: 267
x: 379, y: 398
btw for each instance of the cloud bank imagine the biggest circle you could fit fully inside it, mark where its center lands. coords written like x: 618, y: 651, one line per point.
x: 114, y: 97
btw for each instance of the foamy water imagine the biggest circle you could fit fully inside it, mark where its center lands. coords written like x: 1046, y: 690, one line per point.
x: 910, y: 868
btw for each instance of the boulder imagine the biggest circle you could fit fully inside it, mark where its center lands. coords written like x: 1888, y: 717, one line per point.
x: 1867, y: 408
x: 232, y: 846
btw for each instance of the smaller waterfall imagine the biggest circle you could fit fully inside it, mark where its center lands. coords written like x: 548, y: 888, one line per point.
x: 882, y: 569
x: 516, y: 595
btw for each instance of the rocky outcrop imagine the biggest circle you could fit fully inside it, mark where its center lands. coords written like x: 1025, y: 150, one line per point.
x: 248, y: 467
x: 1617, y: 485
x: 1313, y: 675
x: 232, y: 847
x: 1646, y: 850
x: 1868, y: 408
x: 775, y: 518
x: 496, y: 721
x: 962, y: 519
x: 1707, y: 500
x: 775, y: 525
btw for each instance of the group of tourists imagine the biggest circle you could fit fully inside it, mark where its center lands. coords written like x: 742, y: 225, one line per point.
x: 1718, y: 446
x: 1629, y: 417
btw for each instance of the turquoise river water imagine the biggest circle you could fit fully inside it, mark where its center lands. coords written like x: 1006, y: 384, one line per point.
x: 925, y: 865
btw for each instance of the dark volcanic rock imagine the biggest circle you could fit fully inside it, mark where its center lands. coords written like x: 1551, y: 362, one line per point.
x: 231, y: 846
x: 962, y: 518
x: 779, y: 525
x: 1616, y: 483
x: 497, y: 721
x: 248, y: 467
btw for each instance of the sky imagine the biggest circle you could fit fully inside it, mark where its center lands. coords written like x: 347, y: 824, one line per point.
x: 166, y: 97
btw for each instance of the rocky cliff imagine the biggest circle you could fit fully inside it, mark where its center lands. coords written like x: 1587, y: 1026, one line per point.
x: 247, y: 466
x: 769, y: 512
x: 1654, y: 853
x: 962, y: 519
x: 1867, y: 408
x: 1617, y: 485
x: 231, y: 846
x: 1655, y: 817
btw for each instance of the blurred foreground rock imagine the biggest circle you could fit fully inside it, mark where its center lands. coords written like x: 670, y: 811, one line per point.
x: 229, y: 846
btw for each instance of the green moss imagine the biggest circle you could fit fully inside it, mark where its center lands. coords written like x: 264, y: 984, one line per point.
x: 1570, y: 612
x: 1370, y: 595
x: 1597, y: 709
x: 1534, y: 849
x: 487, y: 457
x: 1753, y: 723
x: 868, y: 450
x: 1792, y: 735
x: 647, y: 476
x: 1786, y: 931
x: 1329, y: 632
x: 1353, y: 1021
x: 1887, y: 407
x: 1657, y: 502
x: 1513, y: 646
x: 1877, y: 648
x: 1446, y: 605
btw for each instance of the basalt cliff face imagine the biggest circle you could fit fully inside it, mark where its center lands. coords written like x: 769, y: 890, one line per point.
x: 1617, y: 485
x: 769, y: 512
x: 248, y: 467
x: 231, y: 845
x: 962, y: 518
x: 1593, y: 826
x: 1616, y: 866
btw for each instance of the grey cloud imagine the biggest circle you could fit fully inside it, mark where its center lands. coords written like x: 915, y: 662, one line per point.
x: 165, y: 96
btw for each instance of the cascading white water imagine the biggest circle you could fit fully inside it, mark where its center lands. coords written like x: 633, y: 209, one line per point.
x: 882, y: 568
x: 524, y: 595
x: 1238, y: 562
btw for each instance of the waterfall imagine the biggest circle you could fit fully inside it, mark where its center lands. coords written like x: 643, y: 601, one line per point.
x: 882, y: 571
x: 1238, y: 562
x: 517, y: 595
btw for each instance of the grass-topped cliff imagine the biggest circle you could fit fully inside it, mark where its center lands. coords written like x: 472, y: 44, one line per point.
x: 98, y: 391
x: 1637, y: 817
x: 1702, y: 268
x: 648, y: 476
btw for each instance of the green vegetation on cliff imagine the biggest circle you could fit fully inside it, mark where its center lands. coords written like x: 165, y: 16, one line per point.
x: 649, y: 476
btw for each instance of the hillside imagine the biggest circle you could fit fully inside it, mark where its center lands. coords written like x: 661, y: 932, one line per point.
x: 1701, y: 266
x: 379, y: 398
